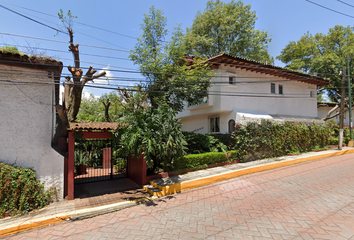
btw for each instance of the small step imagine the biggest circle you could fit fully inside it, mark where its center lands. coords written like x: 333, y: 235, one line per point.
x: 153, y: 190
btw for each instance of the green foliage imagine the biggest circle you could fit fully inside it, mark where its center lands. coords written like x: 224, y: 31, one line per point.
x: 20, y: 191
x: 92, y: 108
x: 11, y: 49
x: 228, y: 28
x: 172, y: 80
x: 323, y: 55
x: 67, y: 19
x: 201, y: 143
x: 157, y: 131
x: 80, y: 158
x: 279, y: 139
x: 334, y: 133
x: 204, y: 159
x: 199, y: 160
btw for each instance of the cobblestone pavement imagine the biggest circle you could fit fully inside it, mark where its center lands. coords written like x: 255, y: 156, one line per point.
x: 311, y: 200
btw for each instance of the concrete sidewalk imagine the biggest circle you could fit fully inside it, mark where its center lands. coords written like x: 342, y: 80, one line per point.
x: 66, y: 210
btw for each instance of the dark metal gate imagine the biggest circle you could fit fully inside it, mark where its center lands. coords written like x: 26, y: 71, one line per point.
x: 98, y: 160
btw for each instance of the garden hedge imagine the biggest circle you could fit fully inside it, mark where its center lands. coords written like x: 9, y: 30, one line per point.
x: 21, y: 191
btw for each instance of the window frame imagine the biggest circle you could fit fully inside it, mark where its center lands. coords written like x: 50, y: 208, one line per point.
x: 272, y: 90
x: 280, y: 89
x: 214, y: 122
x: 232, y: 80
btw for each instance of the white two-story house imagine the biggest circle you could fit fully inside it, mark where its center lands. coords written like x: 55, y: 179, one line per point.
x: 245, y: 90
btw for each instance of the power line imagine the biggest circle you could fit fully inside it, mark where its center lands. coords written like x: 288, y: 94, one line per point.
x: 67, y: 52
x: 182, y: 75
x: 346, y: 3
x: 330, y: 9
x: 119, y: 87
x: 58, y: 30
x: 51, y: 40
x: 124, y: 35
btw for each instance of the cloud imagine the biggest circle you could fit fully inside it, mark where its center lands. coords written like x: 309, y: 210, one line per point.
x: 106, y: 78
x: 86, y: 93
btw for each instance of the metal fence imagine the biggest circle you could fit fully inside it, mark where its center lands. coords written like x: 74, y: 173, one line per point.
x: 98, y: 160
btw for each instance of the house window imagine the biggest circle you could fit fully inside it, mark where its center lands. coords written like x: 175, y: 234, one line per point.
x: 272, y: 87
x: 312, y: 94
x: 214, y: 123
x: 231, y: 126
x: 232, y: 80
x: 280, y: 89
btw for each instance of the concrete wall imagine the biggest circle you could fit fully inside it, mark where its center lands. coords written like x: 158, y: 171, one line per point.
x: 295, y: 100
x: 26, y: 125
x: 322, y: 113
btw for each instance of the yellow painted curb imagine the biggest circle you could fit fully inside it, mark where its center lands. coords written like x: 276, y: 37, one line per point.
x: 155, y: 194
x: 30, y: 226
x: 182, y: 186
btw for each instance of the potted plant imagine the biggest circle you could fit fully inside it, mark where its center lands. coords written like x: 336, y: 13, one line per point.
x: 80, y: 163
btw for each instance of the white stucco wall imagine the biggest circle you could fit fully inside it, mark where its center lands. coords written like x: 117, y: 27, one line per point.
x: 26, y: 125
x: 295, y: 100
x: 322, y: 113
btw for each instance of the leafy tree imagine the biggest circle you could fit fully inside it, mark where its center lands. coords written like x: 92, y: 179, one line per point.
x: 171, y: 78
x: 92, y: 108
x: 157, y: 131
x: 322, y: 54
x: 227, y: 28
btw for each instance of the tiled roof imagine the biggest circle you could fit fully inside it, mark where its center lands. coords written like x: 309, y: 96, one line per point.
x: 89, y: 126
x: 254, y: 66
x: 7, y: 57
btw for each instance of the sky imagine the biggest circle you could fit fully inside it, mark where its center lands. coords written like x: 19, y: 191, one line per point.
x: 112, y: 26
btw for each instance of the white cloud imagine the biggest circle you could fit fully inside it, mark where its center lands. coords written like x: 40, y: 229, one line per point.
x: 106, y: 78
x: 86, y: 93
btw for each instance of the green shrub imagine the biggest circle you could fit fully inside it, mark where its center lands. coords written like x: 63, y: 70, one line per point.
x: 198, y: 160
x: 333, y: 141
x: 279, y: 139
x: 20, y: 191
x: 204, y: 159
x: 202, y: 143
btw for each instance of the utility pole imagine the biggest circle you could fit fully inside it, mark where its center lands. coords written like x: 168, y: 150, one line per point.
x: 350, y: 144
x: 341, y: 124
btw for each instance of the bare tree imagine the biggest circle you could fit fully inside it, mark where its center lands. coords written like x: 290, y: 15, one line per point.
x: 74, y: 85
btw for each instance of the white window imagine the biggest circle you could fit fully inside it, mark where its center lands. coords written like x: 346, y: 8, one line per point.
x: 272, y: 88
x: 214, y: 124
x: 312, y: 94
x: 280, y: 88
x: 232, y: 80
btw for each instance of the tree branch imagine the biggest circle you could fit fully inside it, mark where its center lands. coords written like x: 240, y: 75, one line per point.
x: 106, y: 108
x: 89, y: 76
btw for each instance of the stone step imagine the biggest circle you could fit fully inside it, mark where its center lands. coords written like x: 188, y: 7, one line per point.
x: 154, y: 191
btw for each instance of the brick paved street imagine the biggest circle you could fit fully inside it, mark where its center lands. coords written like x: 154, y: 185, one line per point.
x: 312, y: 200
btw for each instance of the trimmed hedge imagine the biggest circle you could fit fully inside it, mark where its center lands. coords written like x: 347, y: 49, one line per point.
x: 263, y: 140
x: 20, y: 191
x: 280, y: 139
x: 203, y: 160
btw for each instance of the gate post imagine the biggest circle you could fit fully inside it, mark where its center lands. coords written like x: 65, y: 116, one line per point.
x: 70, y: 166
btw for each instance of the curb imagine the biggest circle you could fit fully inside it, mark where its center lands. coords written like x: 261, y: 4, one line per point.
x: 72, y: 216
x: 182, y: 186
